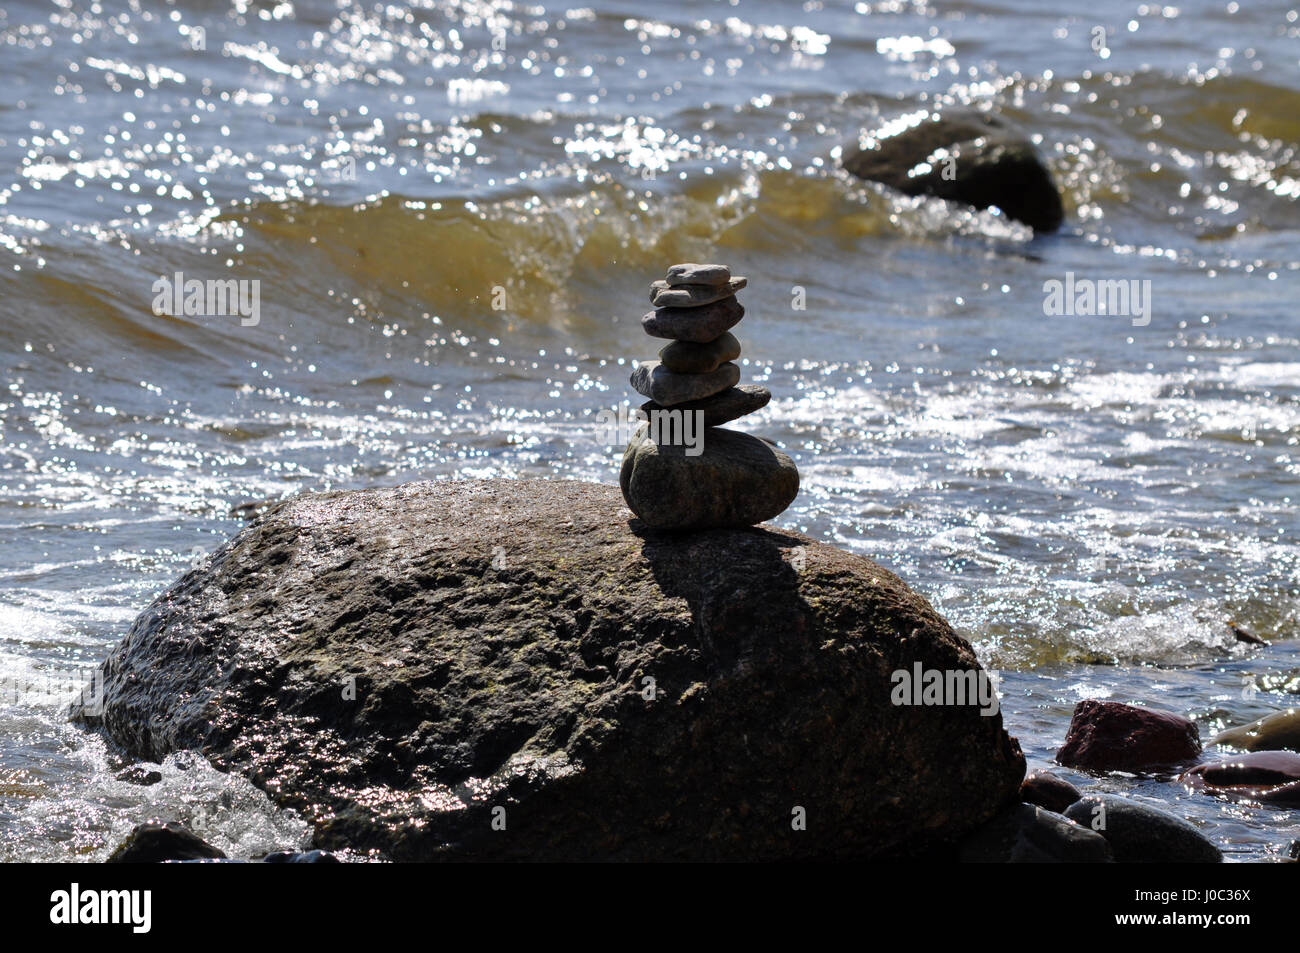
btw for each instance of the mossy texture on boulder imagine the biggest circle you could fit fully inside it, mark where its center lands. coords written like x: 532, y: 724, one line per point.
x: 415, y: 668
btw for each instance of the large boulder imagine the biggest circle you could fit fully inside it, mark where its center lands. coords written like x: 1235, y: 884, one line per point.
x: 964, y: 156
x: 519, y: 670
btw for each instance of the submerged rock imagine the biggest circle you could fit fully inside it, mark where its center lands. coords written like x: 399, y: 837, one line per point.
x: 1269, y: 777
x: 1141, y: 834
x: 1048, y: 791
x: 737, y: 480
x: 138, y: 774
x: 156, y: 841
x: 510, y: 670
x: 301, y: 857
x: 1272, y: 733
x: 1110, y: 736
x: 964, y: 156
x: 1028, y: 834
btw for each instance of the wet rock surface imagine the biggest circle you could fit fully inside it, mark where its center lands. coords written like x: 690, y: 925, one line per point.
x: 156, y: 841
x: 1111, y: 736
x: 1140, y: 834
x: 1270, y: 733
x: 964, y: 156
x: 1028, y: 834
x: 514, y: 670
x: 1269, y: 777
x: 1048, y: 791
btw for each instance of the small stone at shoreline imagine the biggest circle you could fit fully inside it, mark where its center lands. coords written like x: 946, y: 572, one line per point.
x: 155, y: 841
x: 699, y: 325
x: 721, y: 408
x: 1027, y: 834
x: 1048, y: 791
x: 1271, y: 733
x: 301, y: 857
x: 662, y: 386
x: 137, y: 774
x: 684, y: 357
x: 663, y: 295
x: 1111, y: 736
x: 1141, y: 834
x: 691, y: 273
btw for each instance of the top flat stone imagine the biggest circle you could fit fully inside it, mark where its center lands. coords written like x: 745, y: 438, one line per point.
x: 692, y: 274
x: 664, y: 295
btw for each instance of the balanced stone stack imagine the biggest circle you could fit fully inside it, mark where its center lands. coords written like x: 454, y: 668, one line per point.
x: 682, y: 470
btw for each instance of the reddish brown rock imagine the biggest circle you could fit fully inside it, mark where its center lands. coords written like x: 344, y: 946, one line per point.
x: 1111, y: 736
x: 1048, y: 791
x: 1270, y: 777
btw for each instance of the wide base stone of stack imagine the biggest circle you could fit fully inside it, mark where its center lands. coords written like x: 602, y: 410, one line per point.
x: 502, y: 670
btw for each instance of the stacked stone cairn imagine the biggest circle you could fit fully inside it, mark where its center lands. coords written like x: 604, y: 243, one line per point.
x: 682, y: 470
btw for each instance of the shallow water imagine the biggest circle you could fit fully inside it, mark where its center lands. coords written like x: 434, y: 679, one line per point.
x: 1087, y: 500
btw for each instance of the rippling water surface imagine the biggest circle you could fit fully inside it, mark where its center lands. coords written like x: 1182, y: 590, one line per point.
x: 453, y: 210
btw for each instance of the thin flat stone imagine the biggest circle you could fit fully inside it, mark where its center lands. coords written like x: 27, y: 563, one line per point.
x: 668, y: 389
x: 664, y: 295
x: 700, y: 325
x: 690, y: 273
x: 683, y: 357
x: 722, y: 407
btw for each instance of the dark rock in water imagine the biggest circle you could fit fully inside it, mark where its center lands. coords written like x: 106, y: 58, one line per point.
x: 699, y: 325
x: 664, y: 295
x: 509, y: 670
x: 1272, y: 733
x: 1269, y: 777
x: 1028, y: 834
x: 1110, y: 736
x: 721, y: 408
x: 1295, y: 850
x: 1242, y: 634
x: 661, y: 385
x: 1139, y: 834
x: 136, y: 774
x: 156, y: 841
x: 1048, y: 791
x: 962, y: 156
x: 691, y: 273
x: 301, y: 857
x: 685, y: 357
x: 737, y: 481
